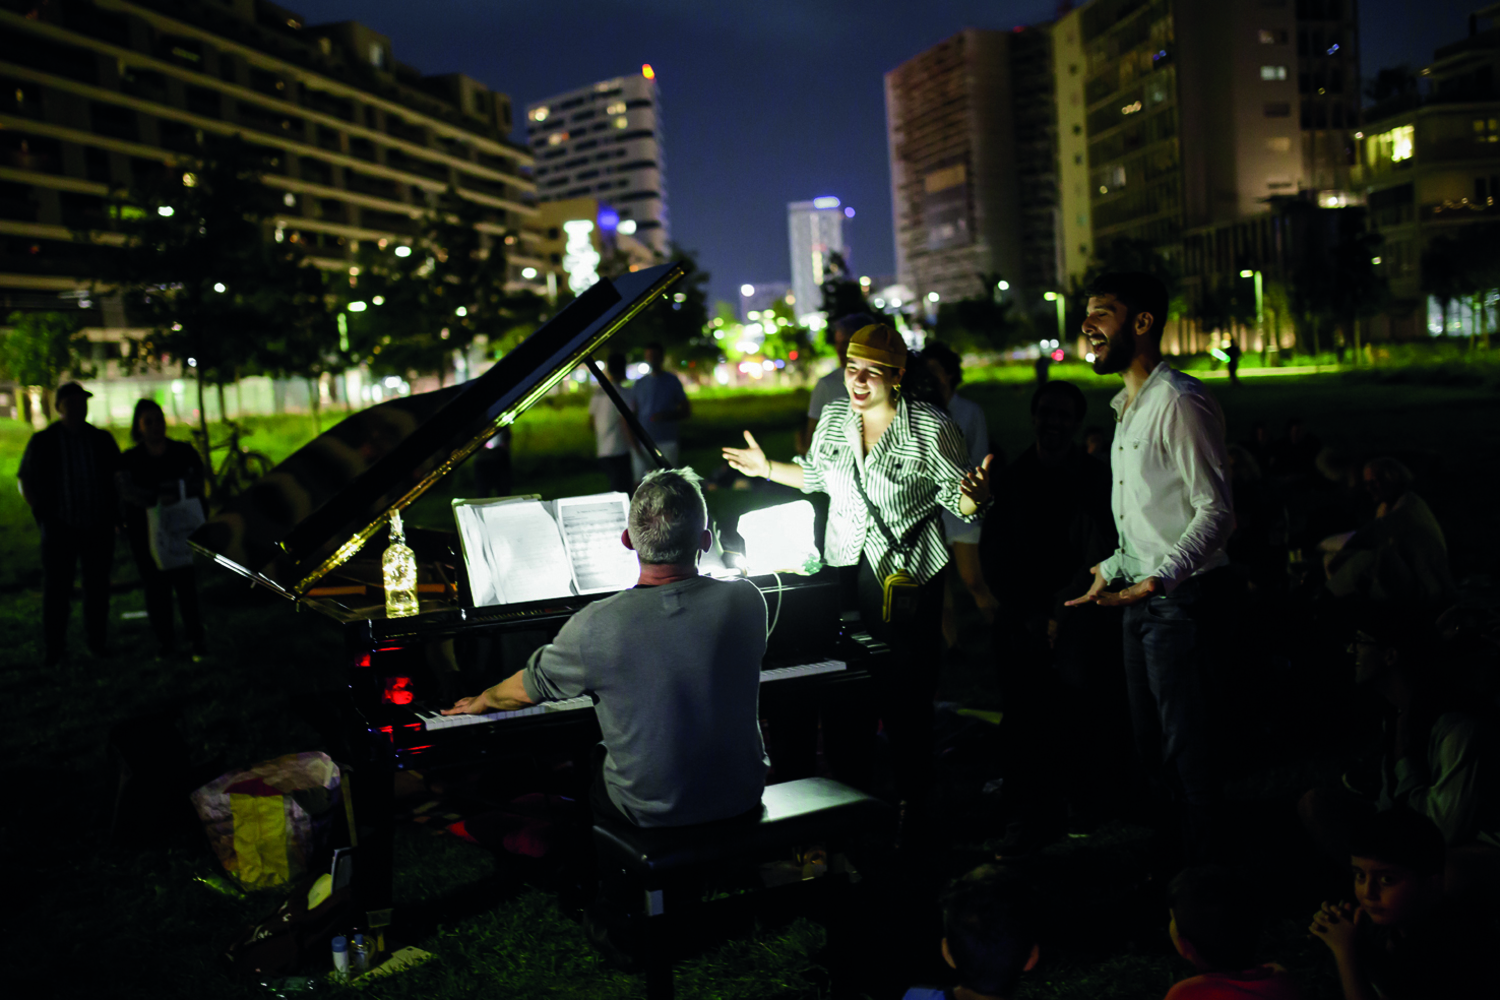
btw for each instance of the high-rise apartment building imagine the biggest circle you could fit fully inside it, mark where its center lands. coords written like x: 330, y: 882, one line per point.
x: 1196, y: 112
x: 604, y: 141
x: 815, y: 230
x: 95, y: 96
x: 972, y: 137
x: 1429, y: 166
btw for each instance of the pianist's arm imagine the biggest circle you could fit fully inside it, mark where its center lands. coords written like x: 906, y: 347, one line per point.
x: 555, y: 672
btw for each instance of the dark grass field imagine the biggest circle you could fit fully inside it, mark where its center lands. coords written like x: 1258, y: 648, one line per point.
x: 88, y: 918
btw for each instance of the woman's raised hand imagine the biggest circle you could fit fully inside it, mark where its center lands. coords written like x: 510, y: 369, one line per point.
x: 751, y: 461
x: 976, y: 484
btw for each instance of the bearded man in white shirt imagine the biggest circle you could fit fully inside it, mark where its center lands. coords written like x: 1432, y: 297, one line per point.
x: 1171, y: 502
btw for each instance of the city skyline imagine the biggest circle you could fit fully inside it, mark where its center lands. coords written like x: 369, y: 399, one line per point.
x: 727, y: 82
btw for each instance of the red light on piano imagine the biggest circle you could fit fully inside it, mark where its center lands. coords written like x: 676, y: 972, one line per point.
x: 427, y: 746
x: 388, y: 649
x: 362, y: 660
x: 398, y: 691
x: 411, y: 725
x: 389, y: 734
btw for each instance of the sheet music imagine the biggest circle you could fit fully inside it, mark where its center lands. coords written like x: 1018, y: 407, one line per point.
x: 514, y: 552
x: 591, y: 529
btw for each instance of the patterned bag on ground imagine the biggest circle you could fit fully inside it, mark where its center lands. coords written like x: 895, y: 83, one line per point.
x: 266, y: 822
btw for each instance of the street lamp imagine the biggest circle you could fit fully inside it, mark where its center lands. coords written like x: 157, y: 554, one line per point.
x: 1062, y: 307
x: 1259, y: 326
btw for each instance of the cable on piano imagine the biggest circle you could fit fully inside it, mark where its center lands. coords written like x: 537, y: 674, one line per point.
x: 780, y: 596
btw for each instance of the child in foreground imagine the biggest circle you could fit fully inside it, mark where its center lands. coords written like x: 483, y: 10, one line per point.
x: 1216, y: 925
x: 1403, y: 939
x: 989, y: 928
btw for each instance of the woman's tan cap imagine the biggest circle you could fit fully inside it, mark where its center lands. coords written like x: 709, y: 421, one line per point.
x: 880, y: 344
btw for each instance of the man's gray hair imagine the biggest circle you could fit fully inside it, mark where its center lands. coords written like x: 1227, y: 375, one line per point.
x: 667, y: 517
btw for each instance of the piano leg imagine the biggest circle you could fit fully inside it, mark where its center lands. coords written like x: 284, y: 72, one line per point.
x: 374, y: 812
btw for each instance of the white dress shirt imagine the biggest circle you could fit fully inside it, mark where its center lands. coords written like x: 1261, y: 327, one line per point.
x: 1170, y: 492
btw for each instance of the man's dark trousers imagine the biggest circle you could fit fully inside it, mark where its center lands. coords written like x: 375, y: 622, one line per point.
x: 1170, y: 708
x: 63, y: 550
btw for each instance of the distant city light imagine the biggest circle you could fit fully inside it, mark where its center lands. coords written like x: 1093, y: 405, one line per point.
x: 528, y: 273
x: 864, y: 279
x: 1004, y: 286
x: 826, y: 201
x: 1050, y: 296
x: 378, y: 300
x: 403, y: 251
x: 357, y: 307
x: 1247, y: 274
x: 1057, y: 355
x: 461, y: 311
x: 608, y: 218
x: 932, y: 296
x: 165, y: 211
x: 289, y: 200
x: 219, y: 287
x: 752, y: 314
x: 848, y: 213
x: 747, y: 290
x: 880, y: 303
x: 647, y: 71
x: 580, y: 259
x: 539, y: 114
x: 626, y: 227
x: 192, y: 362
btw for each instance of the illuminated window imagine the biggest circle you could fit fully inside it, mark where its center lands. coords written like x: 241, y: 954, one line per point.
x: 1273, y: 72
x: 1402, y: 141
x: 617, y: 108
x: 539, y: 114
x: 557, y: 137
x: 622, y: 122
x: 1273, y: 36
x: 1279, y: 144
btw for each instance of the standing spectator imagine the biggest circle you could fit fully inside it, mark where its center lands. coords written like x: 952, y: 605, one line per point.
x: 963, y: 539
x: 661, y: 405
x: 68, y: 480
x: 150, y: 473
x: 612, y: 438
x: 492, y: 465
x: 1053, y: 662
x: 1233, y: 352
x: 1172, y: 507
x: 831, y: 386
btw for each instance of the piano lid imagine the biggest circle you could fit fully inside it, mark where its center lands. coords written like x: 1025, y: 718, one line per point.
x: 317, y: 509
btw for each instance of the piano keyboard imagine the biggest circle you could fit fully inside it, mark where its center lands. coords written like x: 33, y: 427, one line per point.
x: 436, y: 720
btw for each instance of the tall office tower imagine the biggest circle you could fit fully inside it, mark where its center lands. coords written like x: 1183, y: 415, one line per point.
x: 971, y: 131
x: 815, y: 230
x: 1195, y: 112
x: 100, y: 96
x: 604, y: 141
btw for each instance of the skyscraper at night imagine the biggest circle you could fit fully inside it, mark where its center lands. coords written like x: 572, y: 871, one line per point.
x: 815, y: 230
x: 1180, y: 114
x: 972, y: 138
x: 605, y: 142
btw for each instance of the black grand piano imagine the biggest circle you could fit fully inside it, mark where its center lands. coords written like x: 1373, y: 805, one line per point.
x: 314, y: 528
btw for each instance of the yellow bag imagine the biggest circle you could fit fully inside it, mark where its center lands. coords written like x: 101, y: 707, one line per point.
x: 901, y: 591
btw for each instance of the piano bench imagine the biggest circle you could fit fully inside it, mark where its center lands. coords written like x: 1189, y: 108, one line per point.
x: 666, y: 867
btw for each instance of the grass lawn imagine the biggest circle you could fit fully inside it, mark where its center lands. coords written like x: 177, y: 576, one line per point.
x: 90, y: 919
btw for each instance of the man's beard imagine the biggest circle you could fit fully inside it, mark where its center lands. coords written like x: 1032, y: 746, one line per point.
x: 1121, y: 350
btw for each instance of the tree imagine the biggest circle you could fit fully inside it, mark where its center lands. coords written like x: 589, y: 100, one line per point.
x: 41, y: 348
x: 1335, y: 276
x: 198, y: 268
x: 982, y: 322
x: 1124, y: 254
x: 842, y: 295
x: 679, y: 320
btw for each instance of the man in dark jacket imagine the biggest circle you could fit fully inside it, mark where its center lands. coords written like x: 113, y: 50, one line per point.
x: 68, y: 479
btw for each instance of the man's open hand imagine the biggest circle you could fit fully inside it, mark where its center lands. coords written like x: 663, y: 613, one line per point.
x: 1133, y: 594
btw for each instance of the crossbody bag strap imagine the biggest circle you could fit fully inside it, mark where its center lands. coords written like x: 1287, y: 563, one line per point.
x: 902, y: 551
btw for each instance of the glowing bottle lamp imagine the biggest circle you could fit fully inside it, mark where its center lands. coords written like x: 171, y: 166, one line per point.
x: 399, y: 567
x: 780, y: 539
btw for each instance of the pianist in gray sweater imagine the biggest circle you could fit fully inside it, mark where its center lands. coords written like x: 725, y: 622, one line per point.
x: 673, y: 666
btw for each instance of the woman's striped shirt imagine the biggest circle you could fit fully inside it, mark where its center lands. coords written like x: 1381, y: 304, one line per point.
x: 914, y: 468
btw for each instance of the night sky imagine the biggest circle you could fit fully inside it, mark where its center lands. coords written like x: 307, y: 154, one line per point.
x: 763, y: 103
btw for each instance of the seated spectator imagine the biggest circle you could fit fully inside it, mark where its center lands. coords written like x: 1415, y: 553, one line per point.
x: 989, y: 936
x: 1399, y: 557
x: 1439, y: 755
x: 1296, y: 455
x: 1402, y: 938
x: 1216, y: 928
x: 1260, y: 446
x: 1096, y: 443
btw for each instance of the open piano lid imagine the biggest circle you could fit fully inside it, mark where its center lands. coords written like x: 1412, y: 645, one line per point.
x: 317, y: 509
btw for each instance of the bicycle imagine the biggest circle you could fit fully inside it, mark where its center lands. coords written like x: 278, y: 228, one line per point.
x: 240, y: 467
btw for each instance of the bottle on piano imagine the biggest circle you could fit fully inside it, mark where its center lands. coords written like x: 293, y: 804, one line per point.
x: 399, y: 569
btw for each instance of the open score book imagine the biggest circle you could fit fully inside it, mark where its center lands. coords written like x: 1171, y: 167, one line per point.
x: 520, y: 549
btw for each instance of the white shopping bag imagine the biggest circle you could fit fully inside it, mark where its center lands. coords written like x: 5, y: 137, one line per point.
x: 168, y: 526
